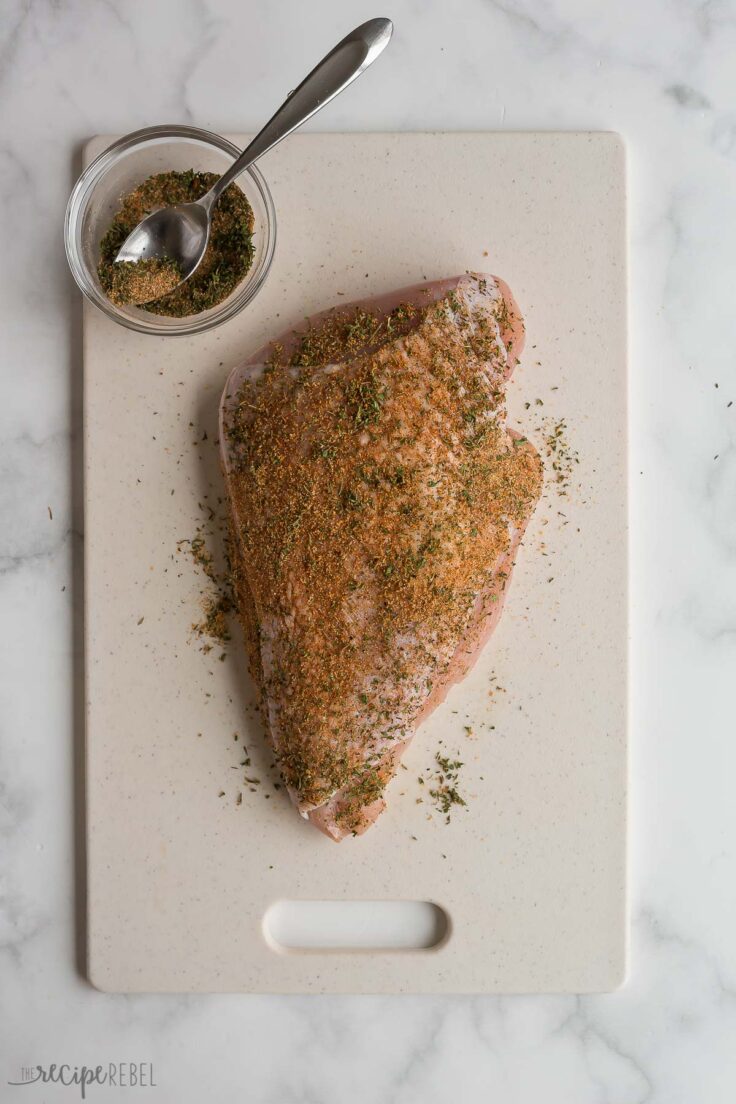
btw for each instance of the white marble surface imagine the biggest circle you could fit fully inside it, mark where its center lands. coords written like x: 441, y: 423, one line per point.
x: 662, y: 73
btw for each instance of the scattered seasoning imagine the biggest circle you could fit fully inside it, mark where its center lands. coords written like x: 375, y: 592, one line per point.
x: 51, y: 516
x: 227, y: 259
x: 214, y: 625
x: 495, y: 687
x: 218, y: 603
x: 200, y: 553
x: 444, y: 794
x: 561, y: 455
x: 337, y: 479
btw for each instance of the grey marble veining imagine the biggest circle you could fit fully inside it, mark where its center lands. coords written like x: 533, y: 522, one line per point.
x: 662, y: 73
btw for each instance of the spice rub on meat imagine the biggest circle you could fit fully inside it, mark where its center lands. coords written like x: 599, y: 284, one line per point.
x: 377, y: 503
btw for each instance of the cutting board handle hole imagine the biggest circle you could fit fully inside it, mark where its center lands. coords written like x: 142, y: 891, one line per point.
x: 290, y: 926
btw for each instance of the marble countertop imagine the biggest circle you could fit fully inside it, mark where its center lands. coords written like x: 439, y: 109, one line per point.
x: 661, y: 72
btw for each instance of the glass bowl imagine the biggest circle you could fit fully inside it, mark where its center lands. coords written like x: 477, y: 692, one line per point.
x: 121, y: 167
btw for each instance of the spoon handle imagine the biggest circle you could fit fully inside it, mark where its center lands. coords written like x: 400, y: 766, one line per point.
x: 333, y: 74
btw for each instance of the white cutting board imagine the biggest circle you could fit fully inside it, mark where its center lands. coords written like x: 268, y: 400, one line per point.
x: 532, y: 874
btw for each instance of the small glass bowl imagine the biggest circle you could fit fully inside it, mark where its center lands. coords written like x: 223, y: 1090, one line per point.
x: 121, y: 167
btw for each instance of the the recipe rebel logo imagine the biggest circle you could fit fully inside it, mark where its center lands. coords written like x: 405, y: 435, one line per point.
x: 117, y: 1075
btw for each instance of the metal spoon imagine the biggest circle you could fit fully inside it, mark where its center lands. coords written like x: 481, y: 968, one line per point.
x: 181, y: 233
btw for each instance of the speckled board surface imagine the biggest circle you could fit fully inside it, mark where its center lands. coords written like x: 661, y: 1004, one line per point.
x: 532, y: 873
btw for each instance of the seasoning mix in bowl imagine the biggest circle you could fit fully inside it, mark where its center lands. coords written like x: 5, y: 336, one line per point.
x: 160, y: 167
x: 155, y: 284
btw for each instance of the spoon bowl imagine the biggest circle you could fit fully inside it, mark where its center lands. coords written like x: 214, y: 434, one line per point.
x: 178, y: 233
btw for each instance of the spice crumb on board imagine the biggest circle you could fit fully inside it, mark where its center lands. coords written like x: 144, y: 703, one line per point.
x: 562, y: 456
x: 444, y: 793
x: 495, y: 687
x: 218, y: 603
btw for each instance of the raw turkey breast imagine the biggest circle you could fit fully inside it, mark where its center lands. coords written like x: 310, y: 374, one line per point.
x: 377, y: 502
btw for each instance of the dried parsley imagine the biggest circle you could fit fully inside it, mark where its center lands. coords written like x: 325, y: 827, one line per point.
x: 228, y: 257
x: 561, y: 456
x: 217, y: 605
x: 445, y: 792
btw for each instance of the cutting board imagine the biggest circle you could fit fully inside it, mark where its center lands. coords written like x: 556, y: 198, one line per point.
x: 531, y: 873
